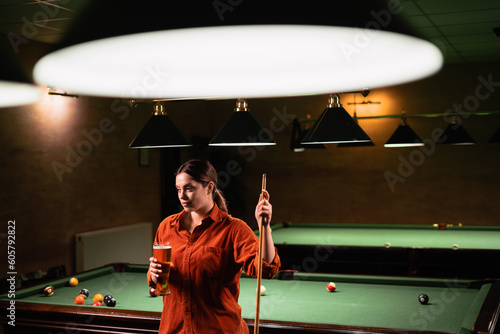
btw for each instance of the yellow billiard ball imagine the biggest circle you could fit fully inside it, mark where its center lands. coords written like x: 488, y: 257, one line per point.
x: 98, y: 298
x: 73, y: 281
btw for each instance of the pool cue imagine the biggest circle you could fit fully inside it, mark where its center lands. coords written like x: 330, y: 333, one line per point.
x: 259, y: 266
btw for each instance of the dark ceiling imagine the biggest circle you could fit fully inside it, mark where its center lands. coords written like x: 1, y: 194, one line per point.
x: 463, y: 30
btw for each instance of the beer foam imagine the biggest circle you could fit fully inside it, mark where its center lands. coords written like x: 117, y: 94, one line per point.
x: 162, y: 247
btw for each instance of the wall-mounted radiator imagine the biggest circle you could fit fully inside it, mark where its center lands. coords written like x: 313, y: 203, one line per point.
x: 130, y: 243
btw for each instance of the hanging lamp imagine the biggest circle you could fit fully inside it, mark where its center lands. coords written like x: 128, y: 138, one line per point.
x: 160, y: 132
x: 455, y: 134
x: 335, y: 125
x: 404, y: 136
x: 242, y: 129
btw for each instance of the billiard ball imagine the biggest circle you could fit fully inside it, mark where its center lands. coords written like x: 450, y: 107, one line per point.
x: 79, y: 300
x: 98, y: 298
x: 152, y: 292
x: 423, y: 299
x: 73, y: 281
x: 262, y: 290
x: 106, y: 298
x: 97, y: 304
x: 387, y: 245
x: 331, y: 286
x: 110, y: 302
x: 48, y: 291
x: 85, y: 293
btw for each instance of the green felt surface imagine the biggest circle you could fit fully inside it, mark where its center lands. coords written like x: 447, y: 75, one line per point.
x: 370, y: 304
x: 371, y: 301
x: 412, y: 236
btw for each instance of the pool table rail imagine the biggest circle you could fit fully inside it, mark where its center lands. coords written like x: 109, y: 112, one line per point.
x: 83, y: 319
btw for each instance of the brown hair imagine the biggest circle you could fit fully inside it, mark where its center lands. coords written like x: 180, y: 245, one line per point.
x: 203, y: 172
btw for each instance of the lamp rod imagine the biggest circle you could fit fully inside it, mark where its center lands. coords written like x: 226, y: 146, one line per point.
x: 475, y: 113
x: 367, y: 102
x: 63, y: 94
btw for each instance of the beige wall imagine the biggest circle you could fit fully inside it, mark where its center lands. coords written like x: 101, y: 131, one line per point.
x: 106, y: 187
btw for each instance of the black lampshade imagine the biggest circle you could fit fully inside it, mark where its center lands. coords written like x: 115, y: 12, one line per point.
x: 298, y: 135
x: 242, y: 129
x: 404, y: 136
x: 495, y: 139
x: 455, y: 134
x: 335, y: 125
x: 358, y: 143
x: 160, y: 132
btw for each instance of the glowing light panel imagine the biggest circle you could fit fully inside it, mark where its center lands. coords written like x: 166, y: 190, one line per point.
x: 239, y: 61
x: 16, y: 94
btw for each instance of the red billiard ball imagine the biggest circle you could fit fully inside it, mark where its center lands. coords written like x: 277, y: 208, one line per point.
x: 79, y: 300
x: 152, y: 292
x: 97, y: 304
x: 48, y: 291
x: 331, y: 286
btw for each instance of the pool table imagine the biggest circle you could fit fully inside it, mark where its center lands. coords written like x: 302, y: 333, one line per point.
x: 438, y: 250
x: 301, y: 303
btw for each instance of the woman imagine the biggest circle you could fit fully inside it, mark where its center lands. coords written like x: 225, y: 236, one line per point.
x: 210, y: 248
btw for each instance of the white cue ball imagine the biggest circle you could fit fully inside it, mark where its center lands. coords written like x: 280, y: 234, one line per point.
x: 262, y: 290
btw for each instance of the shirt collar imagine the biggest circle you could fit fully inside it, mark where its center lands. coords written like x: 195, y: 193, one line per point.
x: 215, y: 215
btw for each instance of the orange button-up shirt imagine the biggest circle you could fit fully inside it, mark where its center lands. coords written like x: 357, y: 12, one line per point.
x: 205, y: 277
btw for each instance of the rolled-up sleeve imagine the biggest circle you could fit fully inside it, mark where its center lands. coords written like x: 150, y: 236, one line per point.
x: 246, y: 249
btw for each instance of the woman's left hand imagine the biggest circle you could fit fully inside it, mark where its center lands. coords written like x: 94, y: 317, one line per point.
x: 264, y: 209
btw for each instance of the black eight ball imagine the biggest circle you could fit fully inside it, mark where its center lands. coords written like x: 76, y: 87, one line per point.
x: 111, y: 302
x: 423, y: 299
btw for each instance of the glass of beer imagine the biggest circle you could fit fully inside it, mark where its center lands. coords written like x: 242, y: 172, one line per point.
x: 162, y: 252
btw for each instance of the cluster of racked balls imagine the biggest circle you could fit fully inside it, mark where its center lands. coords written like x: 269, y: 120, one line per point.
x: 99, y: 299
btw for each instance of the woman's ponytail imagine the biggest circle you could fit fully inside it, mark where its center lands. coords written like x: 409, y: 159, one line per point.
x: 219, y: 199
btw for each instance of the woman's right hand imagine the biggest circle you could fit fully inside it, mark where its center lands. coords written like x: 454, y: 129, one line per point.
x: 156, y: 268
